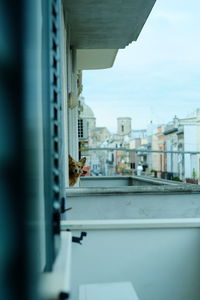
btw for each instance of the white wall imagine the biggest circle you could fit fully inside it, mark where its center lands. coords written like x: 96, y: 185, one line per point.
x: 190, y: 144
x: 65, y: 53
x: 160, y: 263
x: 168, y: 156
x: 133, y: 206
x: 172, y: 158
x: 73, y: 132
x: 70, y: 98
x: 72, y: 104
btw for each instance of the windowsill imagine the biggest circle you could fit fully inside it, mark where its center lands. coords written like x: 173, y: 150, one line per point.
x: 57, y: 282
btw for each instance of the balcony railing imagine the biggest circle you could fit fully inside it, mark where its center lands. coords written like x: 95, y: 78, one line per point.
x: 166, y: 164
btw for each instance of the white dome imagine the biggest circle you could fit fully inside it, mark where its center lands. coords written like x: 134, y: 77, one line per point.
x: 86, y: 112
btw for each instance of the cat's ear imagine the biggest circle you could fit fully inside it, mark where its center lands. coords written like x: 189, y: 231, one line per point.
x: 83, y: 160
x: 70, y: 158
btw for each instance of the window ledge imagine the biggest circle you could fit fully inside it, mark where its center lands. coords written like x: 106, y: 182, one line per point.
x: 57, y: 283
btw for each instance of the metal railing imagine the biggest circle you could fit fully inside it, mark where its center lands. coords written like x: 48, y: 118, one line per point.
x: 166, y: 164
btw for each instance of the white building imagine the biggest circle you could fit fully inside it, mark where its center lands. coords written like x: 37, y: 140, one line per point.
x: 86, y: 119
x: 183, y: 135
x: 124, y: 126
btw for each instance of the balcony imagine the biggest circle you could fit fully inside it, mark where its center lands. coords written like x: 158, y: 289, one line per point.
x: 160, y: 258
x: 142, y: 238
x: 119, y: 181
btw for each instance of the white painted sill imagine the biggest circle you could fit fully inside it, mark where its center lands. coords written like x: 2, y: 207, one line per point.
x: 57, y: 282
x: 130, y: 224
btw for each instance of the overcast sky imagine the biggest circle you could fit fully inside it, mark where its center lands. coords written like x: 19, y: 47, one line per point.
x: 156, y: 77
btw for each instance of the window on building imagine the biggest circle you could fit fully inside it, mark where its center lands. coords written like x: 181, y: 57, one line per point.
x: 80, y: 128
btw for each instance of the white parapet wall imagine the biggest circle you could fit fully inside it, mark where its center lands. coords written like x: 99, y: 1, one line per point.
x: 112, y: 181
x: 133, y: 202
x: 159, y: 257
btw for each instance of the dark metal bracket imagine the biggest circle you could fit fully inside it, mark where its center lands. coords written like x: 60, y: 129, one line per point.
x: 78, y: 240
x: 63, y: 209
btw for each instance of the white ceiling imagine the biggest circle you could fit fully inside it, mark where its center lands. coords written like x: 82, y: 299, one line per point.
x: 105, y: 24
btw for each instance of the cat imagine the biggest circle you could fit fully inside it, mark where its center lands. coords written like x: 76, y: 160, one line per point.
x: 75, y: 169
